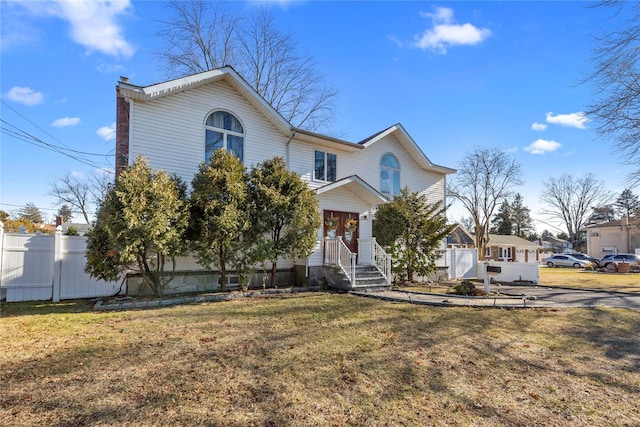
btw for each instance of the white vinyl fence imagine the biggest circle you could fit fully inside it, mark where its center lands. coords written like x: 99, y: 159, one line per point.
x: 42, y: 267
x: 461, y: 263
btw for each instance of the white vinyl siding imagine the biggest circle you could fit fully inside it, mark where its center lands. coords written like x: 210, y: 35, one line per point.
x: 366, y: 164
x: 170, y: 131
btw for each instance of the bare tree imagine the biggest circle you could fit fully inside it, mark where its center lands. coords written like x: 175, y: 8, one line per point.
x: 79, y: 192
x: 615, y: 79
x: 485, y: 177
x: 202, y: 36
x: 570, y: 200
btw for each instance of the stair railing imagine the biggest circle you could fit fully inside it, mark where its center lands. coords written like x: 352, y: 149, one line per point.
x: 381, y: 259
x: 337, y: 253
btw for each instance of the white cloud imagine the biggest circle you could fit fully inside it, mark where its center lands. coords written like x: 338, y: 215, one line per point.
x: 445, y: 33
x: 94, y: 24
x: 576, y: 120
x: 65, y: 122
x: 542, y: 146
x: 538, y: 126
x: 25, y: 95
x: 107, y: 133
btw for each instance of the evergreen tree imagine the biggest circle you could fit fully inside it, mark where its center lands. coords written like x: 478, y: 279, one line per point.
x: 502, y: 221
x: 284, y: 212
x: 601, y: 214
x: 413, y: 230
x: 31, y: 213
x: 140, y: 226
x: 627, y: 203
x: 65, y: 213
x: 521, y: 218
x: 219, y: 212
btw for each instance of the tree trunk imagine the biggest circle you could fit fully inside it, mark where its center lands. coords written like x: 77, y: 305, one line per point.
x: 273, y: 274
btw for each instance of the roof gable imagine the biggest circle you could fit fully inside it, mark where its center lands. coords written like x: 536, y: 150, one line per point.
x: 409, y: 144
x: 358, y: 186
x: 226, y: 74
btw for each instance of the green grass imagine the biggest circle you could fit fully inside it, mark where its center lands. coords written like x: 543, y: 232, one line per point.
x: 318, y: 359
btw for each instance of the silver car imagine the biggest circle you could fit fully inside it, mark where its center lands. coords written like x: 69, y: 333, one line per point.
x: 565, y: 261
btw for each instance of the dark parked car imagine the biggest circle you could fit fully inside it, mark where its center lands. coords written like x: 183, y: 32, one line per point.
x: 565, y: 261
x: 594, y: 261
x: 611, y: 261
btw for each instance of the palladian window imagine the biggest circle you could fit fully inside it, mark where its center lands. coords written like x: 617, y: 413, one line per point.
x: 389, y: 175
x: 223, y: 130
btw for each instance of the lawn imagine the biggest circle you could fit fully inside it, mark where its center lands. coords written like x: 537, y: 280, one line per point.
x: 318, y: 359
x: 584, y: 279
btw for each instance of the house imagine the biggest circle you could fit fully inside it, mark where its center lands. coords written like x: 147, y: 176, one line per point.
x: 499, y: 247
x: 559, y: 246
x: 177, y: 124
x: 511, y: 248
x: 613, y: 237
x: 460, y: 237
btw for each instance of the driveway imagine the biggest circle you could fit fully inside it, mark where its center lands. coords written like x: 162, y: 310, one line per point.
x: 515, y: 296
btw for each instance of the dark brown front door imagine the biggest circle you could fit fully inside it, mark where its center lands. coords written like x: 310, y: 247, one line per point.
x: 345, y: 224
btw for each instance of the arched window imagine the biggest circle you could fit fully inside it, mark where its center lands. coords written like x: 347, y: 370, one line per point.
x: 223, y: 130
x: 389, y: 175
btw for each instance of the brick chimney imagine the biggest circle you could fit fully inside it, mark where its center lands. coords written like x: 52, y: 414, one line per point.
x: 122, y: 132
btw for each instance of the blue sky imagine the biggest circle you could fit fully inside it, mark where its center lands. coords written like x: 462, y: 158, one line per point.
x: 455, y: 74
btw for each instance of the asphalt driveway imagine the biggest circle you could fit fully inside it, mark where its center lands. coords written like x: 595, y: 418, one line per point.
x: 513, y: 296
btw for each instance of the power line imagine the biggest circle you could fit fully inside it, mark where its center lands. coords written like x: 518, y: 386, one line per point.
x: 24, y: 206
x: 25, y: 136
x: 38, y: 127
x: 65, y: 150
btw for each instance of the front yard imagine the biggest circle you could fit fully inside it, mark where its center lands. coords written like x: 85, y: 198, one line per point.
x: 585, y: 279
x: 318, y: 359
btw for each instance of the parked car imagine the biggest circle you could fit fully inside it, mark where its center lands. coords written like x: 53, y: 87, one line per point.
x: 611, y: 261
x: 565, y: 261
x: 592, y: 260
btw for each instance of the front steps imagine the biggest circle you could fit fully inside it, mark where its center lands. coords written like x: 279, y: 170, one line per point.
x: 368, y: 279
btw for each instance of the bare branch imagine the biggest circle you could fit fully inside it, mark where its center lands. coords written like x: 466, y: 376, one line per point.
x: 485, y: 177
x: 571, y: 199
x: 202, y: 36
x: 616, y: 65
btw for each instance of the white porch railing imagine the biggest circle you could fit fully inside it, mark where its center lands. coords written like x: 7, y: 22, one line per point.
x: 337, y: 253
x: 374, y: 254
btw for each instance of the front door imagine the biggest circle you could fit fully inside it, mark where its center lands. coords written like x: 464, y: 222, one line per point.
x: 343, y: 224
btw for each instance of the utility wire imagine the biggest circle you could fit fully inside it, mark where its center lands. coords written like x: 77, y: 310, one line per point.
x: 38, y: 127
x: 25, y: 136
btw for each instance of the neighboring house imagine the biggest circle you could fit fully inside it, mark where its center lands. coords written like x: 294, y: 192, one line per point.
x: 556, y: 245
x: 499, y: 247
x: 460, y: 237
x: 613, y: 237
x: 511, y: 248
x: 177, y: 124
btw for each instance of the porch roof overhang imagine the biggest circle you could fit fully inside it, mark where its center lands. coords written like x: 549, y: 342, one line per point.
x: 358, y: 186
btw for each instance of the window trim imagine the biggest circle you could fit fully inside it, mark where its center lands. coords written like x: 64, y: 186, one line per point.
x: 326, y: 169
x: 390, y: 170
x: 224, y: 133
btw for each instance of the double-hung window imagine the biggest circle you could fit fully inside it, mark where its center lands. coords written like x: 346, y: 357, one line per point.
x: 223, y: 130
x: 324, y: 167
x: 389, y: 175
